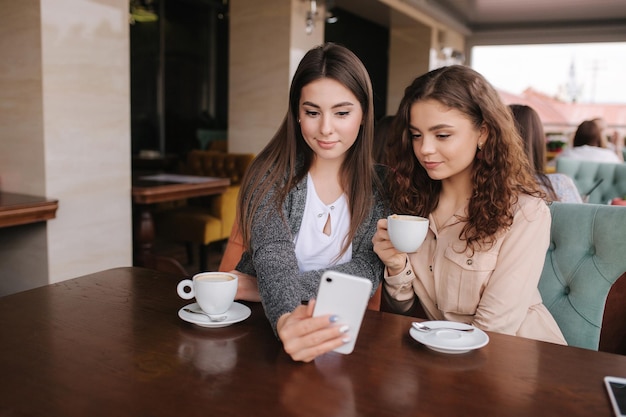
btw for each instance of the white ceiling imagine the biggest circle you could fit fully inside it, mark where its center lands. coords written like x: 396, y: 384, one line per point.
x: 504, y: 21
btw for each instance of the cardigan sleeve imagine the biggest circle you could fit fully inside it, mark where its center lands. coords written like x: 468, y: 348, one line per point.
x: 272, y: 257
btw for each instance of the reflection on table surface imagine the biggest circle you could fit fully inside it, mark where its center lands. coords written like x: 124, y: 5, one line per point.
x: 112, y: 343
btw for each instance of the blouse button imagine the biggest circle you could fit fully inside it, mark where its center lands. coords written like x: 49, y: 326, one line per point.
x: 469, y: 262
x: 320, y: 215
x: 430, y: 268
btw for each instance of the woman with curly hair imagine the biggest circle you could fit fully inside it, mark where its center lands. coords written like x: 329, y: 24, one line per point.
x: 460, y: 162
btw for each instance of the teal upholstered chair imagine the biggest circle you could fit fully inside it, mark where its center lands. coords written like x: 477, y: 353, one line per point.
x: 586, y: 173
x: 587, y: 255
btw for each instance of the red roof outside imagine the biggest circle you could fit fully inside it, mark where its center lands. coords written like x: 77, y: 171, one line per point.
x: 564, y: 117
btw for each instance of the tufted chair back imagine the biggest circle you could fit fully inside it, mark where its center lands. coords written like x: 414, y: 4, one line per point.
x: 217, y: 164
x: 587, y: 255
x: 586, y: 173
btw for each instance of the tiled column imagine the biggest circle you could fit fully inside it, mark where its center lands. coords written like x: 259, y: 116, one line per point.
x: 267, y: 40
x: 409, y: 53
x: 65, y: 134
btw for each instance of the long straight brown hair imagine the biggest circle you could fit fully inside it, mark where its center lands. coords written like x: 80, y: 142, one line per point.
x: 286, y: 159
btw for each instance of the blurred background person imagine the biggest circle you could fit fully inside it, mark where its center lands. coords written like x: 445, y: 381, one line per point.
x: 610, y: 139
x: 587, y: 145
x: 558, y: 187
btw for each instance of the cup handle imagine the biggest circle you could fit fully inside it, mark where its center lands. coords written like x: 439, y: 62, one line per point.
x: 180, y: 289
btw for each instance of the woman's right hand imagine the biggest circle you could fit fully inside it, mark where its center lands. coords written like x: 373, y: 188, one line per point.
x: 306, y: 337
x: 394, y: 260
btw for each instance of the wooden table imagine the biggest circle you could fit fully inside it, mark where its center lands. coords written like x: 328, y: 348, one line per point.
x: 150, y: 189
x: 17, y: 209
x: 111, y: 343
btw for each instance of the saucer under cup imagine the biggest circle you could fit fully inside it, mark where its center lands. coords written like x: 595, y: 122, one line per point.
x: 450, y: 341
x: 236, y: 313
x: 214, y: 291
x: 407, y: 232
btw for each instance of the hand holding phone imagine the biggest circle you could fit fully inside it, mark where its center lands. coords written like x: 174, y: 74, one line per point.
x: 616, y: 388
x: 345, y: 296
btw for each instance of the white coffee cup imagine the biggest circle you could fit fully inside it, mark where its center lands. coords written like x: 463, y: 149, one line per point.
x: 407, y: 232
x: 214, y: 291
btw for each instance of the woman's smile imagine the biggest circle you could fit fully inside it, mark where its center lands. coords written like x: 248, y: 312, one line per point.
x: 428, y: 165
x: 326, y: 144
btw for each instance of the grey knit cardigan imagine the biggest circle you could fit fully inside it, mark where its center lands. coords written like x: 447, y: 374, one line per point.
x: 272, y: 257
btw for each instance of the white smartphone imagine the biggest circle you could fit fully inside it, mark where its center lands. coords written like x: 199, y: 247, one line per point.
x: 616, y: 388
x: 345, y: 296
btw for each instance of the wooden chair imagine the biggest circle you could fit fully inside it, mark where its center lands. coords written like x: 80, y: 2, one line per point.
x: 583, y: 283
x: 613, y: 333
x: 204, y: 221
x: 165, y: 264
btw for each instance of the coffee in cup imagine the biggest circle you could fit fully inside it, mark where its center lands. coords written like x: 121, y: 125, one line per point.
x: 214, y: 291
x: 407, y: 232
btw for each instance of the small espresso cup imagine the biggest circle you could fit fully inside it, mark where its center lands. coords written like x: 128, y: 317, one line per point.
x: 214, y: 291
x: 407, y: 232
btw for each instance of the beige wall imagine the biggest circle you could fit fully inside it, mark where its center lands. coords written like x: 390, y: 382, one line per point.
x: 409, y: 52
x: 65, y: 118
x: 267, y: 40
x: 65, y: 134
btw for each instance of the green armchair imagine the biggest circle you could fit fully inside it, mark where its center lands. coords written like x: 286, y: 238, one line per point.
x: 583, y: 282
x: 586, y: 173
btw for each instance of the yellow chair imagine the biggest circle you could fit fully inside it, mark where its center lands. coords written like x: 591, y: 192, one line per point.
x: 210, y: 219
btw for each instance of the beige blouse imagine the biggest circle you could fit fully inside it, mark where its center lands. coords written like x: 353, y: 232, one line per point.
x: 494, y: 289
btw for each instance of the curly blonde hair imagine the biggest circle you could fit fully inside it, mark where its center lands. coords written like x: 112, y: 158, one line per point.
x: 500, y: 173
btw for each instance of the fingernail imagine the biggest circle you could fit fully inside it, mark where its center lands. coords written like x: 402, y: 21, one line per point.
x: 334, y: 319
x: 346, y: 339
x: 344, y: 329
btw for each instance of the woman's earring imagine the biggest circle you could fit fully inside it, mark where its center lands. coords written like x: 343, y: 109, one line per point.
x: 298, y: 120
x: 479, y: 152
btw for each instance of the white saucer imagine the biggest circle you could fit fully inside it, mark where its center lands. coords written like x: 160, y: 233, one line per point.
x: 237, y: 312
x: 450, y: 341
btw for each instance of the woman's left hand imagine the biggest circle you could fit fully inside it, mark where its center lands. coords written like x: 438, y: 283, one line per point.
x: 306, y: 337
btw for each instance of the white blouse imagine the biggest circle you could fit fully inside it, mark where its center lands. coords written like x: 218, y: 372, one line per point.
x: 314, y: 249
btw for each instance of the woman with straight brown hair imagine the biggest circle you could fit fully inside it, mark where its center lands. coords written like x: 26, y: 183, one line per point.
x: 588, y: 145
x: 311, y: 199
